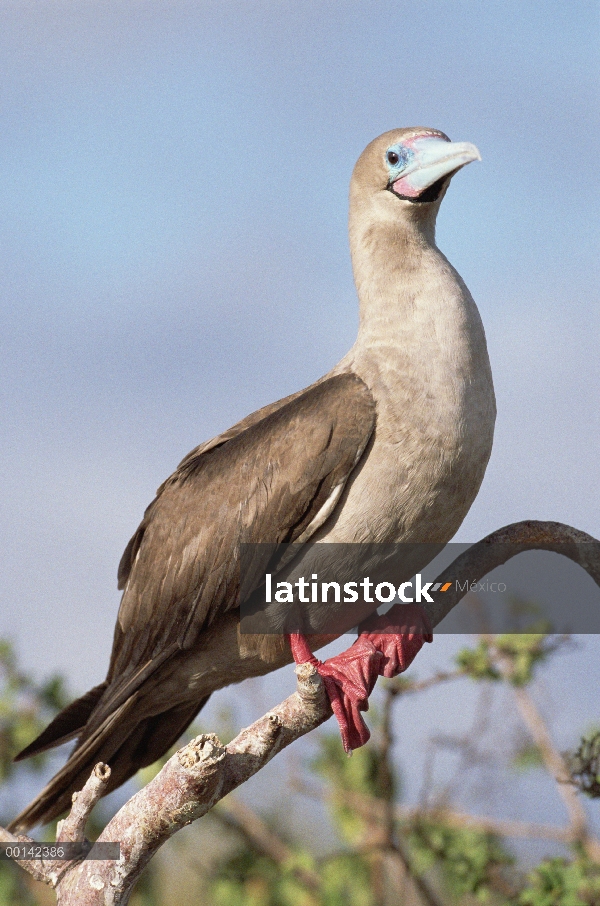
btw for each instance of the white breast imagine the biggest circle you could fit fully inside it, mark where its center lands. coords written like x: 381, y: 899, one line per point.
x: 422, y: 352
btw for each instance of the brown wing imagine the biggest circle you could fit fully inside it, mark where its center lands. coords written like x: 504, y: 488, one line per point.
x: 236, y: 429
x: 265, y: 484
x: 193, y: 457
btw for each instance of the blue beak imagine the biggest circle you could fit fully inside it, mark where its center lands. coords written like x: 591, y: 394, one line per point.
x: 430, y: 159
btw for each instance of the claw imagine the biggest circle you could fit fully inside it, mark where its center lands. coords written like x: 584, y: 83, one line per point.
x: 387, y: 646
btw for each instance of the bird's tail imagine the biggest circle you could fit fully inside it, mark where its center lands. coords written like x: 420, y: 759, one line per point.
x: 66, y: 725
x: 122, y: 741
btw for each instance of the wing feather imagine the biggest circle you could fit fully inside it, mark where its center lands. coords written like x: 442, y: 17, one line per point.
x: 268, y: 482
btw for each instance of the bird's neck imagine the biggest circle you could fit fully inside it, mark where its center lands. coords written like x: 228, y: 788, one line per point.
x: 393, y: 266
x: 417, y: 317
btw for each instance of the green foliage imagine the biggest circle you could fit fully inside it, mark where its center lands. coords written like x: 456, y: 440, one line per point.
x: 14, y: 886
x: 25, y: 709
x: 364, y: 774
x: 248, y: 880
x: 558, y: 882
x: 528, y: 757
x: 525, y: 652
x: 513, y: 656
x: 346, y: 879
x: 469, y: 858
x: 584, y: 764
x: 478, y: 662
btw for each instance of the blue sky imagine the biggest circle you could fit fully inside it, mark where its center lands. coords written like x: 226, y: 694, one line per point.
x: 173, y: 254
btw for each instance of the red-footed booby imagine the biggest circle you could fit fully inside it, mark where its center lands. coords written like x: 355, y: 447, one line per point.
x: 390, y: 446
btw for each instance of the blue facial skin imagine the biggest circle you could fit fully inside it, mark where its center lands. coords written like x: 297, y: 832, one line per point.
x: 405, y: 155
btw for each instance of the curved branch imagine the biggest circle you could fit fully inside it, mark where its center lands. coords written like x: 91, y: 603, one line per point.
x: 502, y: 545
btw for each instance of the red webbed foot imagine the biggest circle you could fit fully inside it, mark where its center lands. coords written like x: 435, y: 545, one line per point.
x: 387, y: 645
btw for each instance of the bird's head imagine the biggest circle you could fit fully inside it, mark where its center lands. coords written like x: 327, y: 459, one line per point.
x: 405, y: 173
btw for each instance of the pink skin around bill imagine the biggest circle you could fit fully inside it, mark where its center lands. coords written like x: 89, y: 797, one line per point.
x: 402, y: 186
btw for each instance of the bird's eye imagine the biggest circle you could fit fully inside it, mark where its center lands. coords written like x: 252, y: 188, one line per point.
x: 393, y: 158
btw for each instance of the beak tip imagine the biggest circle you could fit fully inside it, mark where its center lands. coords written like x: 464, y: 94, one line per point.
x: 474, y: 152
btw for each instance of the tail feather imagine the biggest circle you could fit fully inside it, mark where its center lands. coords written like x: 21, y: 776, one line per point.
x: 121, y: 742
x: 66, y: 725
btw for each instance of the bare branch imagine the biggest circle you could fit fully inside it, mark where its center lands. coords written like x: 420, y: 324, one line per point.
x: 37, y: 868
x: 72, y: 829
x: 505, y: 543
x: 189, y: 785
x: 557, y: 767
